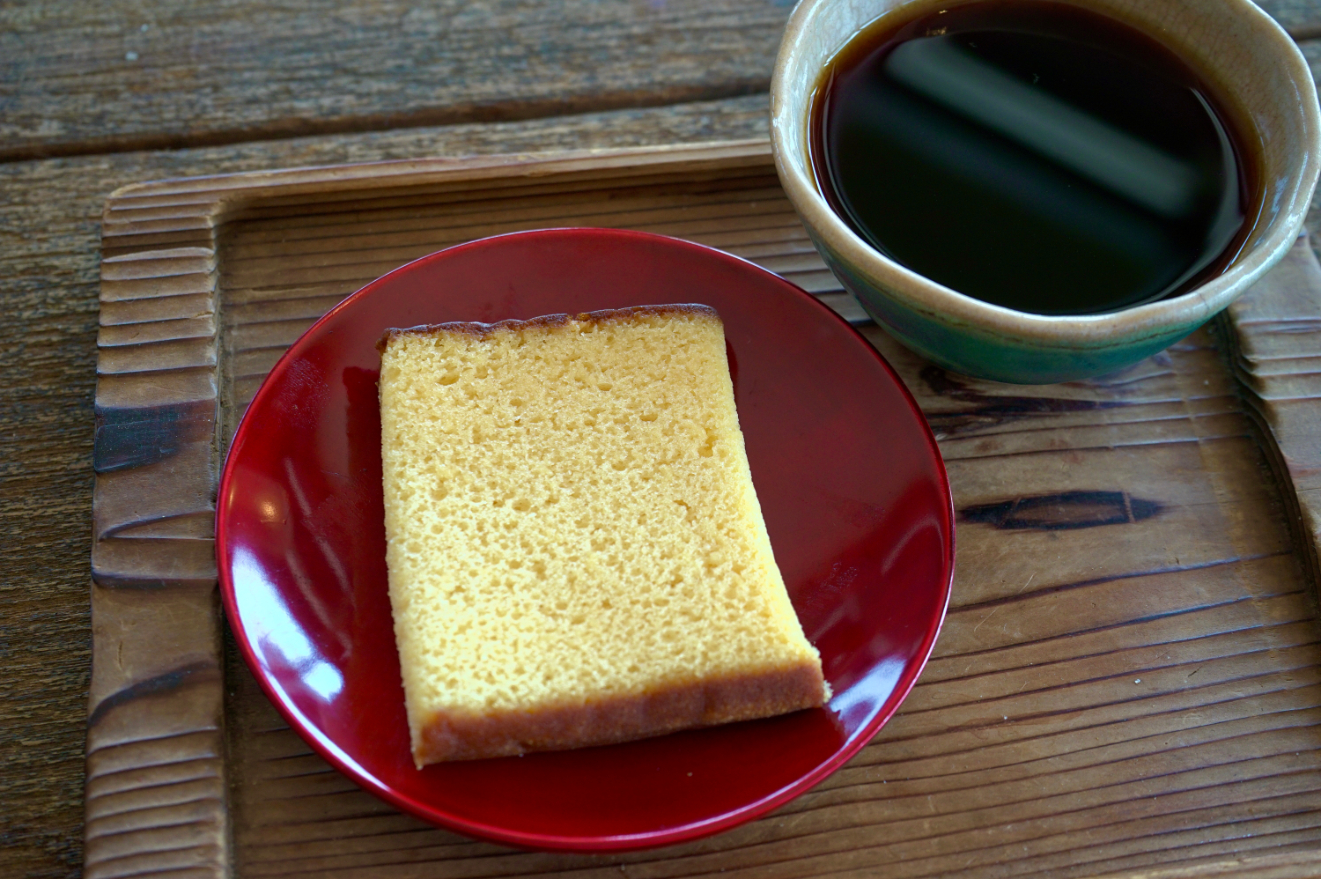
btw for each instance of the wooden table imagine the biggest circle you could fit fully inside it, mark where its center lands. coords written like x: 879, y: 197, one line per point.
x: 97, y: 96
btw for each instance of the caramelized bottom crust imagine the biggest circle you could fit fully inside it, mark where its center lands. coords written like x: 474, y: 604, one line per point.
x: 452, y: 736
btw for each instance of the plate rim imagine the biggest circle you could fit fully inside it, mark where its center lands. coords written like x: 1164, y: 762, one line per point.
x: 726, y: 820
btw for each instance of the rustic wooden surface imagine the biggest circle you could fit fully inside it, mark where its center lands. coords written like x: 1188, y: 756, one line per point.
x: 229, y: 88
x: 1126, y: 679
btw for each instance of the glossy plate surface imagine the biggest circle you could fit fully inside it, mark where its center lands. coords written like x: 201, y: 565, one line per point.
x: 849, y: 478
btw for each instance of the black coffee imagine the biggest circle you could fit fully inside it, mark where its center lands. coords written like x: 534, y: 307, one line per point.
x: 1034, y: 155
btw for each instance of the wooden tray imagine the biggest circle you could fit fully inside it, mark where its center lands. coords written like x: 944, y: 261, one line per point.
x: 1127, y: 683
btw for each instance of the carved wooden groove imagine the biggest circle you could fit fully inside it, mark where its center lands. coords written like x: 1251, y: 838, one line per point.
x: 156, y: 799
x: 1127, y: 683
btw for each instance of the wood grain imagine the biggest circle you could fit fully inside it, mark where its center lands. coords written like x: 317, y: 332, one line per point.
x: 79, y: 78
x: 118, y: 76
x: 1300, y: 18
x: 1127, y: 678
x: 1275, y: 342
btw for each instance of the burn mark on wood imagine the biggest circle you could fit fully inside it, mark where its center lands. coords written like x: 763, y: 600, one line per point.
x: 1065, y: 511
x: 138, y: 436
x: 987, y: 410
x: 159, y: 685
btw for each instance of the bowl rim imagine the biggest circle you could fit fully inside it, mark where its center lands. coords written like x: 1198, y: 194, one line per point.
x: 945, y: 305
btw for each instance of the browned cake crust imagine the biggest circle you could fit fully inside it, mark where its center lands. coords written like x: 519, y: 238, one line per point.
x: 608, y: 315
x: 608, y: 721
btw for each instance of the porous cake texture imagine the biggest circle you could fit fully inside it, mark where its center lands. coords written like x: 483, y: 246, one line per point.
x: 575, y: 549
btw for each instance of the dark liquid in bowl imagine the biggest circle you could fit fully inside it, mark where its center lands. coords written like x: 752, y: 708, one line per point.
x: 1033, y: 155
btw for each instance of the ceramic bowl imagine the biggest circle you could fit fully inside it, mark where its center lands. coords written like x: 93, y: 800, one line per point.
x: 1260, y: 76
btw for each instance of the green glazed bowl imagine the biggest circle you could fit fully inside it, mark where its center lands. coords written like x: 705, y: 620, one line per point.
x: 1261, y: 77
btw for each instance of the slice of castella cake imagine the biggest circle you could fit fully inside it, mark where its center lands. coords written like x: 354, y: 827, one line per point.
x: 575, y: 549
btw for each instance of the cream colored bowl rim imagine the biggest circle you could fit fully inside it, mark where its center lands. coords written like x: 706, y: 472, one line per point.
x: 1067, y: 331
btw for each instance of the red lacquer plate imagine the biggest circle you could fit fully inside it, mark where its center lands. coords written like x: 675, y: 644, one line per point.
x: 850, y: 481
